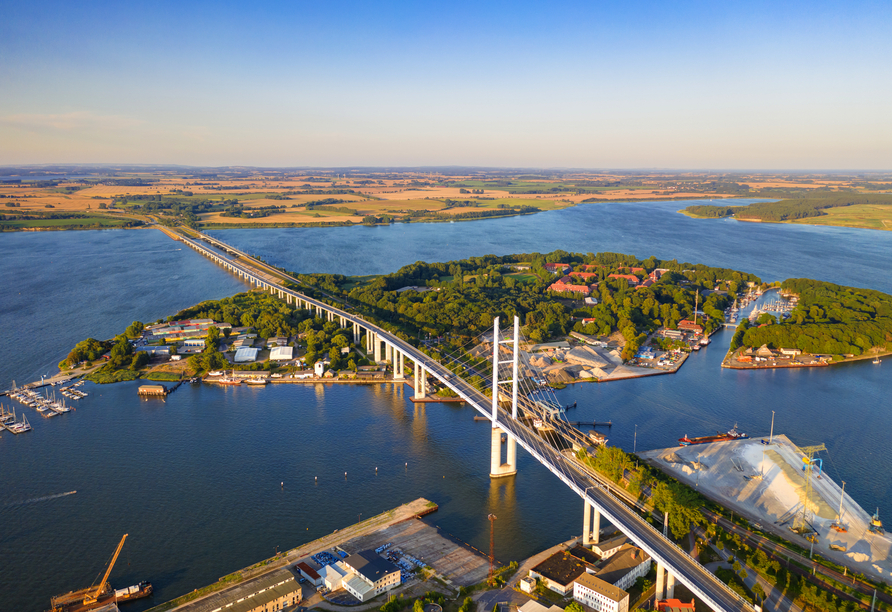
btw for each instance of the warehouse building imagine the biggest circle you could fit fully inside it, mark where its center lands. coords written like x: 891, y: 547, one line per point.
x: 281, y: 353
x: 273, y: 591
x: 245, y: 355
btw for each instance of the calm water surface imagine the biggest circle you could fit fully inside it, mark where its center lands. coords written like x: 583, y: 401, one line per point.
x: 195, y: 479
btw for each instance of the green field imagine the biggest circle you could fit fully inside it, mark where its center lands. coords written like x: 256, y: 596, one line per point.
x: 541, y: 204
x: 870, y: 216
x: 80, y: 222
x: 523, y: 277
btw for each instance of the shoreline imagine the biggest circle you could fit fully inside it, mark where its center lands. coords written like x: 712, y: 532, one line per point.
x: 726, y: 363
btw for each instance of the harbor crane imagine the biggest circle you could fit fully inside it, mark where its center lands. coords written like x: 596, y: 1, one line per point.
x: 94, y: 593
x: 802, y: 524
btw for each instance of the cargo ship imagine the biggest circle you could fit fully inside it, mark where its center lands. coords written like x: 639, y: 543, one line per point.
x: 718, y: 437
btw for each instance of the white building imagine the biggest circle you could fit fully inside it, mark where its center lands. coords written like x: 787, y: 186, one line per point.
x: 600, y: 596
x: 245, y: 354
x: 608, y: 547
x: 333, y: 575
x: 371, y: 575
x: 624, y: 567
x: 281, y: 353
x: 320, y: 366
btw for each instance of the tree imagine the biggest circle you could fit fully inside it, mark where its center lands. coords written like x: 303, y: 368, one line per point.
x: 574, y: 607
x: 140, y: 359
x: 418, y: 606
x: 212, y: 342
x: 758, y: 592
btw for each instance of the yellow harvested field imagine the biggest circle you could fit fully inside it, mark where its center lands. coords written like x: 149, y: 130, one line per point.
x: 435, y: 192
x: 289, y: 217
x: 380, y: 206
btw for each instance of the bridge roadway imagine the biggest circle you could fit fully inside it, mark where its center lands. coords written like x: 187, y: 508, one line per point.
x: 703, y: 583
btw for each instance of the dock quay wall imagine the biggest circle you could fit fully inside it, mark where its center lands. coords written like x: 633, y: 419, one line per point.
x: 414, y: 509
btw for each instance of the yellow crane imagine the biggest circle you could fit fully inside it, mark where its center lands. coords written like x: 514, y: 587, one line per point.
x: 96, y: 592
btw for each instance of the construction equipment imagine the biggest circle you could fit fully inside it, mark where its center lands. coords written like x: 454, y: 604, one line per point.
x: 492, y: 546
x: 876, y: 525
x: 838, y: 525
x: 95, y: 592
x: 802, y: 524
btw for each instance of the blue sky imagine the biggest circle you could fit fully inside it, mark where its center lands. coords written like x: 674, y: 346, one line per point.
x: 763, y: 85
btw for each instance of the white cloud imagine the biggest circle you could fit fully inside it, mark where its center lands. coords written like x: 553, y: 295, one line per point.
x: 77, y: 120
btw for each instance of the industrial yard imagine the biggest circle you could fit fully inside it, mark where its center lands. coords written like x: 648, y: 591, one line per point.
x: 765, y: 482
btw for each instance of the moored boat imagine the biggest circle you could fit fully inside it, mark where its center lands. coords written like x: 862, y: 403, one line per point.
x: 733, y: 434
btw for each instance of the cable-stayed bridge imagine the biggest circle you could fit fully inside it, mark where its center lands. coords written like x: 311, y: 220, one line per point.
x: 514, y: 404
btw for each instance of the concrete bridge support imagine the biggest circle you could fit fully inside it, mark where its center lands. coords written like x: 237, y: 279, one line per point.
x: 420, y: 381
x: 376, y: 341
x: 497, y: 469
x: 670, y: 585
x: 661, y: 583
x: 399, y: 365
x: 590, y: 534
x: 388, y: 352
x: 356, y: 336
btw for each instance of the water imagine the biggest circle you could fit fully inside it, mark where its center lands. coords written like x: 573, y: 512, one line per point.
x: 772, y: 251
x: 195, y: 479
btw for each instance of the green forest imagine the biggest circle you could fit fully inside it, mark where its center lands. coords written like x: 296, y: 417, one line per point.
x: 460, y: 299
x: 829, y: 319
x: 787, y: 210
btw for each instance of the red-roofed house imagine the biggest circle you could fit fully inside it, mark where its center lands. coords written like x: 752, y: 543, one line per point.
x: 633, y: 280
x: 557, y: 268
x: 645, y: 283
x: 588, y: 267
x: 690, y: 326
x: 584, y: 275
x: 563, y: 287
x: 656, y: 274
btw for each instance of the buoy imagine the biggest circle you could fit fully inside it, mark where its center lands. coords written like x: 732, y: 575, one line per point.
x: 283, y: 484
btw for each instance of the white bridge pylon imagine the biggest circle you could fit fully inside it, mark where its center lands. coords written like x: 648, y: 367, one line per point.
x: 498, y: 469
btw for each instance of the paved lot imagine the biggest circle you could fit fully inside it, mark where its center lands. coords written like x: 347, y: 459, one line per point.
x: 455, y: 563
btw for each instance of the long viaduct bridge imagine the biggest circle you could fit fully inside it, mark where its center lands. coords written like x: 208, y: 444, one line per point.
x: 673, y: 564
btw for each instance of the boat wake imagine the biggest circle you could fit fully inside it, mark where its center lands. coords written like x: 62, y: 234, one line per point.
x: 34, y: 500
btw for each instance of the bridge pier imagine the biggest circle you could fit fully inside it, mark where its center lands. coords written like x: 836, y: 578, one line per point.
x: 660, y: 592
x: 388, y: 352
x: 399, y: 365
x: 377, y: 346
x: 356, y: 337
x: 497, y: 469
x: 590, y: 535
x: 670, y: 585
x: 420, y: 381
